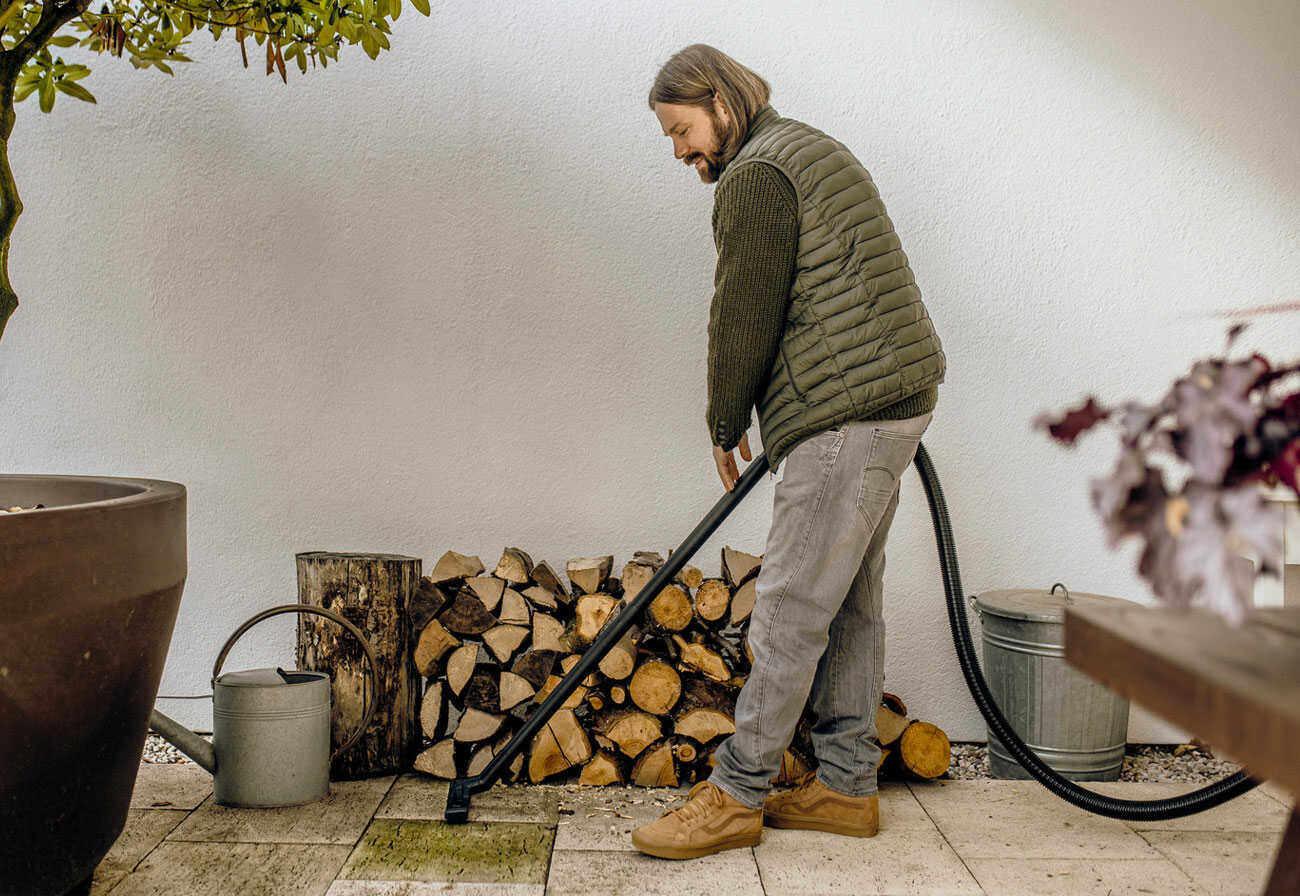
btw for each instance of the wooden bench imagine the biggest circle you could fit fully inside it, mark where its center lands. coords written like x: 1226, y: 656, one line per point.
x: 1237, y: 689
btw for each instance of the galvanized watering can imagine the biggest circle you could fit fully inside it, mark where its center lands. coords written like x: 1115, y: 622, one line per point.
x: 270, y: 728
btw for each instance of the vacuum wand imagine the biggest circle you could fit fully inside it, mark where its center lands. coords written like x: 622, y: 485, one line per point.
x: 458, y: 795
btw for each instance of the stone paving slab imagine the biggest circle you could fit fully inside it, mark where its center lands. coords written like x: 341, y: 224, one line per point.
x: 488, y: 852
x: 222, y: 869
x: 426, y: 888
x: 1252, y: 811
x: 1081, y: 877
x: 1277, y: 792
x: 576, y: 872
x: 902, y: 861
x: 144, y: 829
x: 339, y: 818
x: 1023, y: 820
x: 422, y: 797
x: 170, y: 786
x: 1225, y: 863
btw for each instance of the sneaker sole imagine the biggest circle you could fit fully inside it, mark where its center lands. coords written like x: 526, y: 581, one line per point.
x: 683, y: 852
x: 803, y: 823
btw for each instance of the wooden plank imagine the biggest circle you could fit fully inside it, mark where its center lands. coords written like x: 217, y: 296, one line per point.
x: 1237, y: 688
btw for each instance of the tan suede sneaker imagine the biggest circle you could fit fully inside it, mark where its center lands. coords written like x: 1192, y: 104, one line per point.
x: 709, y: 822
x: 813, y: 806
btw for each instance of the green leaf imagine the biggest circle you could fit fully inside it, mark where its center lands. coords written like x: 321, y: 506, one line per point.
x: 64, y: 40
x: 25, y: 90
x: 72, y: 88
x: 421, y: 5
x: 369, y: 44
x: 47, y: 94
x: 158, y: 63
x: 75, y: 72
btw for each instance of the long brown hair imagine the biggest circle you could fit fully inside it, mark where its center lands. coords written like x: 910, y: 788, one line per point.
x: 698, y: 73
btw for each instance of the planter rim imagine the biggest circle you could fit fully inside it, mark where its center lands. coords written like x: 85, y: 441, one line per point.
x: 138, y: 491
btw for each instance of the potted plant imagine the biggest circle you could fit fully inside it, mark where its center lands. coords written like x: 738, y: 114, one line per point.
x: 91, y: 569
x: 1232, y: 425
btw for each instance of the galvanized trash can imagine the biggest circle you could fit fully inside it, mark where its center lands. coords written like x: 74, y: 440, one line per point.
x: 1075, y: 725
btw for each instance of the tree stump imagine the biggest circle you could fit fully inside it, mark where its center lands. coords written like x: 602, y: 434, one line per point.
x: 373, y: 592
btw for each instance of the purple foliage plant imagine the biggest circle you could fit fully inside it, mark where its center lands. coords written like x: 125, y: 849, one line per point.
x: 1234, y: 425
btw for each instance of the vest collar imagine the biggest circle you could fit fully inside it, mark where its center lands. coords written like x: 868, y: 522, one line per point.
x: 762, y: 118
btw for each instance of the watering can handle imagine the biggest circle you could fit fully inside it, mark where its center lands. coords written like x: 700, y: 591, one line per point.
x: 334, y: 617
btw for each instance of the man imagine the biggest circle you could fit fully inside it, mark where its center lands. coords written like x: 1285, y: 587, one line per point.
x: 816, y: 321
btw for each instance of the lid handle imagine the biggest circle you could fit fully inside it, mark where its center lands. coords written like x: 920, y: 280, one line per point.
x: 372, y: 663
x: 1061, y: 585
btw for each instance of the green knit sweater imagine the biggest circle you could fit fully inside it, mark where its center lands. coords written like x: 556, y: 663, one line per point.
x: 756, y: 231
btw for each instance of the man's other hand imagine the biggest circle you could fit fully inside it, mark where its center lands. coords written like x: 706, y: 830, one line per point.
x: 727, y: 463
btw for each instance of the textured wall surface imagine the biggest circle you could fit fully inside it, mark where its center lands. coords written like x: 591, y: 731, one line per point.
x: 457, y: 298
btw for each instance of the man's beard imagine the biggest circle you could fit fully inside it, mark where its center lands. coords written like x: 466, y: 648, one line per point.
x: 713, y: 163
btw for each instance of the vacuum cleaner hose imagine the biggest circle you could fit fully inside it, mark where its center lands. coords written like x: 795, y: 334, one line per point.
x: 1132, y: 810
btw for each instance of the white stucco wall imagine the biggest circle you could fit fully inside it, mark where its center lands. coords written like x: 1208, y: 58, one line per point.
x: 457, y: 298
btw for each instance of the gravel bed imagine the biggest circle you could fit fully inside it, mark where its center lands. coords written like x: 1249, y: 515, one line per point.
x: 1142, y: 762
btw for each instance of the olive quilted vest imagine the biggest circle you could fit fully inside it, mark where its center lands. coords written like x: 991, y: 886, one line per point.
x: 857, y: 336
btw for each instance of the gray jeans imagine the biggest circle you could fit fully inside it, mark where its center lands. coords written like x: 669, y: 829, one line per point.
x: 817, y: 626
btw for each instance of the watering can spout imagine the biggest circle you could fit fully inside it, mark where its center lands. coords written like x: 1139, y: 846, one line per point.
x: 185, y: 740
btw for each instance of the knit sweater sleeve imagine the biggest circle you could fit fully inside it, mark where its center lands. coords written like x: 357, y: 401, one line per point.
x: 756, y: 231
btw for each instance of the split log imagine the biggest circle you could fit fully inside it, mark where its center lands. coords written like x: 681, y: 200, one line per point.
x: 635, y: 577
x: 545, y: 577
x: 620, y: 662
x: 737, y: 566
x: 602, y: 768
x: 425, y: 603
x: 591, y: 614
x: 631, y: 730
x: 431, y: 710
x: 514, y: 690
x: 466, y: 615
x: 435, y: 642
x: 671, y: 609
x: 541, y: 598
x: 462, y: 664
x: 455, y: 566
x: 561, y: 744
x: 514, y: 609
x: 655, y: 687
x: 476, y: 725
x: 487, y: 589
x: 712, y: 599
x: 534, y: 666
x: 482, y: 692
x: 439, y: 760
x: 504, y: 640
x: 515, y: 567
x: 704, y: 725
x: 548, y: 634
x: 588, y: 574
x: 656, y: 766
x: 889, y: 725
x: 742, y: 603
x: 373, y: 592
x: 793, y: 767
x: 702, y: 659
x: 924, y: 750
x: 894, y: 703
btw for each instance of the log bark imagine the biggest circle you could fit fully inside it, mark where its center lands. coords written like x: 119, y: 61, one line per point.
x: 372, y: 591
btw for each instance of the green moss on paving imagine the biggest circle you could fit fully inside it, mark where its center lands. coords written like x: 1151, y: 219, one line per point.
x: 491, y: 852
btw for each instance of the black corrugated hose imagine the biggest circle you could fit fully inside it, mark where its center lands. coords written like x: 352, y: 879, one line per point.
x: 1221, y: 791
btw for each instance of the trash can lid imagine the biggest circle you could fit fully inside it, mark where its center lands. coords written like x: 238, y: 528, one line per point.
x: 1037, y: 604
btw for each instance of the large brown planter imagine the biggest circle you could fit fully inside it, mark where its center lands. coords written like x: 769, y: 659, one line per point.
x: 89, y: 589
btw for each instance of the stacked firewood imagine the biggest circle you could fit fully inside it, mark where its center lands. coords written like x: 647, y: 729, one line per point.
x: 492, y: 647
